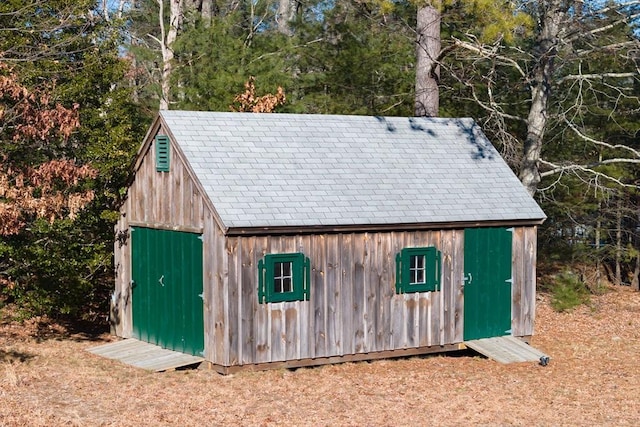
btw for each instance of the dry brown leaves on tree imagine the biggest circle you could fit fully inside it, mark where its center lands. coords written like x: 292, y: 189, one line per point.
x: 47, y: 190
x: 248, y: 102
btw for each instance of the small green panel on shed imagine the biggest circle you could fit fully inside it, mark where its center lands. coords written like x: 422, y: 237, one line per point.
x: 167, y: 289
x: 488, y: 282
x: 162, y: 153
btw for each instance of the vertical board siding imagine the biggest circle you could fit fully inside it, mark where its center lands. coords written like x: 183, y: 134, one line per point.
x: 171, y: 198
x: 517, y: 288
x: 456, y: 274
x: 215, y: 281
x: 346, y: 276
x: 353, y: 307
x: 524, y: 280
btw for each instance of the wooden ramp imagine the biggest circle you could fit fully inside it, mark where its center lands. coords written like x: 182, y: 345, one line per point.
x: 507, y: 349
x: 144, y: 355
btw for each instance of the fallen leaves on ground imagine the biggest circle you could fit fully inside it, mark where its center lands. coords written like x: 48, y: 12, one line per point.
x: 593, y: 379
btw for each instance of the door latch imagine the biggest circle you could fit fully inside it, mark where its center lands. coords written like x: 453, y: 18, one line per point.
x: 161, y: 280
x: 467, y: 279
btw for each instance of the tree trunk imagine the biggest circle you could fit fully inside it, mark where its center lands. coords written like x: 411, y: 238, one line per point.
x: 635, y: 281
x: 618, y: 277
x: 286, y: 14
x: 166, y: 42
x: 427, y: 70
x: 208, y: 11
x: 597, y: 245
x: 204, y: 8
x: 121, y: 5
x: 552, y: 14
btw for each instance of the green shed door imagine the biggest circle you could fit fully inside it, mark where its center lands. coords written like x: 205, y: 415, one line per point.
x: 487, y: 276
x: 167, y: 289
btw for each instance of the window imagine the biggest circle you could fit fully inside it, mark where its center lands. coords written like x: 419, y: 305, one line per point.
x: 162, y: 153
x: 418, y: 270
x: 283, y: 277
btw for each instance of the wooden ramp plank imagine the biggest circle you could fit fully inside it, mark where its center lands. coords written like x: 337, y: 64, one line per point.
x: 144, y: 355
x: 506, y: 349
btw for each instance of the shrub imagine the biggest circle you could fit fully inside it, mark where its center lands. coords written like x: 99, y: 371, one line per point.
x: 568, y: 291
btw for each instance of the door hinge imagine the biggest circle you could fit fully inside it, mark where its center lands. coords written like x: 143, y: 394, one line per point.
x: 201, y: 296
x: 511, y: 229
x: 509, y: 281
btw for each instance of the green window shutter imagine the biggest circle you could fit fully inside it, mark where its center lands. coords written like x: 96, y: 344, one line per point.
x: 404, y: 274
x: 162, y: 153
x: 433, y: 272
x: 262, y: 294
x: 307, y: 278
x: 275, y: 270
x: 399, y: 285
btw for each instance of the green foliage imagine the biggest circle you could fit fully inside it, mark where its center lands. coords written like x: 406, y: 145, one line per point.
x: 362, y: 63
x: 64, y: 267
x: 568, y: 292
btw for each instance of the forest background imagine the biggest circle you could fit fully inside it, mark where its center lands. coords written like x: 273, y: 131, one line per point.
x: 555, y: 84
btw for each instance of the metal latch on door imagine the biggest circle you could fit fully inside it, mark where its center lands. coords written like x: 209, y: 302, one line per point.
x: 161, y: 280
x: 467, y: 280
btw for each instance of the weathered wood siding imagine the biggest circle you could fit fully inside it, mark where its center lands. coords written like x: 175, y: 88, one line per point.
x: 353, y: 307
x: 172, y: 200
x: 523, y: 305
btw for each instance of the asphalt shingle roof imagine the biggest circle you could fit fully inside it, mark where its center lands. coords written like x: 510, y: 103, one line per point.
x: 264, y: 170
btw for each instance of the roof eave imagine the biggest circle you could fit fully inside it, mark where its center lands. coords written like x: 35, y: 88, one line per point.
x: 360, y: 228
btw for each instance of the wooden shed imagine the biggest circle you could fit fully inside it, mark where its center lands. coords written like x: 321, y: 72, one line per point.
x: 268, y: 240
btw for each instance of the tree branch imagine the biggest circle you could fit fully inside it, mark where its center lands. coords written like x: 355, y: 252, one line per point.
x: 561, y: 169
x: 597, y: 76
x: 489, y: 53
x: 587, y: 138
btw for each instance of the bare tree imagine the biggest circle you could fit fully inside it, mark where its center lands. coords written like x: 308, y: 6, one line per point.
x: 566, y: 39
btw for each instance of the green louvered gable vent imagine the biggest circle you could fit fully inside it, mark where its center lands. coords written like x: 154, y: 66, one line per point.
x: 162, y: 153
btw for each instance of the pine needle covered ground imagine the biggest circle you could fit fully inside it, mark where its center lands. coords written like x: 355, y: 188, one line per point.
x: 47, y: 379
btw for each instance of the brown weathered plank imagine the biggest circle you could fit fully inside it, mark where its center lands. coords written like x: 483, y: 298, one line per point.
x: 506, y: 349
x: 261, y: 322
x: 291, y: 329
x: 517, y: 287
x: 318, y: 295
x: 370, y: 292
x: 248, y: 298
x: 278, y: 348
x: 456, y: 327
x: 359, y: 296
x: 332, y: 284
x: 398, y: 306
x: 384, y: 290
x: 529, y: 289
x: 144, y: 355
x: 348, y: 329
x: 306, y: 312
x: 233, y: 252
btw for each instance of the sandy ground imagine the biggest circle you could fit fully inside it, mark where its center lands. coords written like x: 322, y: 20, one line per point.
x: 48, y: 379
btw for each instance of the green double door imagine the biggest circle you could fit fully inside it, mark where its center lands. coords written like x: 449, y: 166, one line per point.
x: 167, y: 278
x: 488, y: 282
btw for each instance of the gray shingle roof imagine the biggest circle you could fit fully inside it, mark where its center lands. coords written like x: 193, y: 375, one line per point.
x: 268, y: 170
